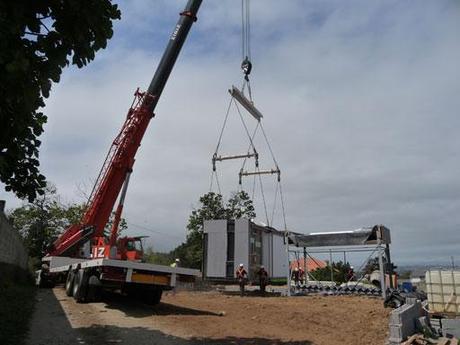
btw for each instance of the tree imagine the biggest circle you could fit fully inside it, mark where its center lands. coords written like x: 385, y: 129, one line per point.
x: 41, y: 222
x: 212, y: 207
x: 373, y: 265
x: 158, y: 258
x: 340, y: 271
x: 122, y: 226
x: 37, y: 39
x: 240, y: 205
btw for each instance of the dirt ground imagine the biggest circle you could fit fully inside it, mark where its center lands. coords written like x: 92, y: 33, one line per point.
x: 209, y: 318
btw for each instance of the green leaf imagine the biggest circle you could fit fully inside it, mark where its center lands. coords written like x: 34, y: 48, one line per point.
x: 28, y: 66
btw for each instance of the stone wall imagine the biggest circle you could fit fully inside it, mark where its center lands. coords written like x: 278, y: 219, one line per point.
x: 12, y: 250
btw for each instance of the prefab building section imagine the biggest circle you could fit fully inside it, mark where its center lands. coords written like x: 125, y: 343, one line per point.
x: 228, y: 243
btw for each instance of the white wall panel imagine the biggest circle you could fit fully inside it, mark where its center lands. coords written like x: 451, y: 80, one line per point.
x: 217, y: 247
x: 279, y: 257
x: 241, y: 243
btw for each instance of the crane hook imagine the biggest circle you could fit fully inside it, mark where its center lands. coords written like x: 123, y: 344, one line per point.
x: 246, y: 66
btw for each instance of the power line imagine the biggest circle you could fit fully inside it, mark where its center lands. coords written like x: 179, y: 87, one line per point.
x: 156, y: 231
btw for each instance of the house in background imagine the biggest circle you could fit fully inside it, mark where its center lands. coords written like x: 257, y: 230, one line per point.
x: 227, y: 243
x: 310, y: 263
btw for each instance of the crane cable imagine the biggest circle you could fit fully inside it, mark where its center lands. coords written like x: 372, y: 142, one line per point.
x: 246, y: 66
x: 245, y: 30
x: 219, y: 142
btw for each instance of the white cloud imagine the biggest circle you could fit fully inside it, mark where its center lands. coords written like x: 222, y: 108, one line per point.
x: 360, y: 102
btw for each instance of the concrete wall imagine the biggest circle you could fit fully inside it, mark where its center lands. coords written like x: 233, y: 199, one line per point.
x: 279, y: 257
x: 403, y: 322
x: 217, y: 248
x: 267, y: 252
x: 241, y: 243
x: 12, y: 250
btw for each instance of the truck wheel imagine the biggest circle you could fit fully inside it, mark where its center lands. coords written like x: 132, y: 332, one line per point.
x: 94, y: 287
x: 69, y: 283
x: 152, y: 297
x: 80, y: 286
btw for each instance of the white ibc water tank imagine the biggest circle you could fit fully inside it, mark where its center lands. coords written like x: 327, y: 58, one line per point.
x: 442, y: 288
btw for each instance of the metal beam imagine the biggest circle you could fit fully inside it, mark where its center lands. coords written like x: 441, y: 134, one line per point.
x: 223, y: 158
x: 260, y: 172
x: 361, y: 237
x: 246, y: 103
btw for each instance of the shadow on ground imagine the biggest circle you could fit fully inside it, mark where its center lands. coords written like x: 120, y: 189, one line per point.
x: 139, y: 335
x: 135, y: 308
x: 255, y: 293
x: 50, y: 326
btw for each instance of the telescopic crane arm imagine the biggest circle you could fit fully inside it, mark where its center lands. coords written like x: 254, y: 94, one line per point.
x: 119, y: 162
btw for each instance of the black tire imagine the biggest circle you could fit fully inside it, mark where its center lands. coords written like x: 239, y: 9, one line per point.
x: 80, y: 286
x: 94, y: 289
x: 69, y: 283
x: 152, y: 297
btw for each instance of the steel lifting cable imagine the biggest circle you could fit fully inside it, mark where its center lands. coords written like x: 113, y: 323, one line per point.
x: 253, y: 187
x: 243, y: 87
x: 279, y: 182
x: 245, y: 30
x: 218, y: 184
x: 263, y: 197
x: 274, y: 203
x: 245, y: 127
x: 219, y: 141
x: 282, y: 205
x: 361, y: 267
x: 223, y: 126
x: 251, y: 141
x: 214, y: 174
x: 268, y: 144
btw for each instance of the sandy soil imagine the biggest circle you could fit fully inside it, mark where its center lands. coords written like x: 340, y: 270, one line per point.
x: 209, y: 318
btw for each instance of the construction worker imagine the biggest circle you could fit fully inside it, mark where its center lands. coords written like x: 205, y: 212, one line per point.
x: 296, y: 276
x: 241, y: 276
x: 351, y: 274
x: 176, y: 263
x: 301, y: 275
x: 263, y: 278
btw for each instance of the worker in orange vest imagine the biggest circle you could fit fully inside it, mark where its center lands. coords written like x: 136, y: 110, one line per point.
x: 301, y: 275
x: 296, y: 276
x: 241, y: 276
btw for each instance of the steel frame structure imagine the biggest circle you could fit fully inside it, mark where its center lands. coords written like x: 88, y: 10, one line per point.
x: 374, y: 239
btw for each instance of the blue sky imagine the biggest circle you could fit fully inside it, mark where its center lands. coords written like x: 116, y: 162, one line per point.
x: 360, y: 101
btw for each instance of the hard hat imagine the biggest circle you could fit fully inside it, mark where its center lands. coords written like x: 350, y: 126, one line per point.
x: 262, y: 266
x: 177, y: 260
x: 241, y: 265
x: 351, y: 267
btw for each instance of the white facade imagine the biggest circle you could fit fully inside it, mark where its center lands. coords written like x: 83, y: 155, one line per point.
x: 241, y: 243
x: 279, y: 265
x: 218, y: 250
x: 229, y: 243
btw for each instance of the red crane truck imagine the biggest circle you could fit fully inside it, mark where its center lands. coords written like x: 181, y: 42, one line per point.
x: 82, y: 256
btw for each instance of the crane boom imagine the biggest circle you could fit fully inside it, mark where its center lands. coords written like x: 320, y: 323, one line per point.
x: 119, y: 162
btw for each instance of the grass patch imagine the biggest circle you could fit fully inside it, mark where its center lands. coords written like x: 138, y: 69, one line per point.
x: 278, y: 281
x: 16, y: 306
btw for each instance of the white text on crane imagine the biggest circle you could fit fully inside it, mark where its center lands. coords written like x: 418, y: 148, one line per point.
x: 176, y: 30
